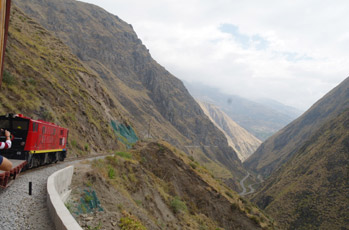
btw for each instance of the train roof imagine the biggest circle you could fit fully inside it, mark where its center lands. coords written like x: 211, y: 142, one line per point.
x: 33, y: 120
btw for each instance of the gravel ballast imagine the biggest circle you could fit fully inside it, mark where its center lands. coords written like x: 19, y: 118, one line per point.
x: 21, y: 211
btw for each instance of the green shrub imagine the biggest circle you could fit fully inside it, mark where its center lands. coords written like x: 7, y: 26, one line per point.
x: 69, y: 206
x: 87, y: 198
x: 111, y: 173
x: 88, y: 183
x: 98, y: 227
x: 139, y: 202
x: 124, y: 155
x: 31, y: 81
x: 73, y: 143
x: 178, y: 206
x: 193, y: 165
x: 47, y: 115
x: 8, y: 78
x: 130, y: 223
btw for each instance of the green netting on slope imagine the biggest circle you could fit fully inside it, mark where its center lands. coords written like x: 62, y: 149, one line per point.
x: 124, y: 133
x: 88, y: 203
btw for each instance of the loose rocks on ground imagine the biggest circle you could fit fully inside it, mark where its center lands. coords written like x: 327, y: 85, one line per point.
x: 21, y: 211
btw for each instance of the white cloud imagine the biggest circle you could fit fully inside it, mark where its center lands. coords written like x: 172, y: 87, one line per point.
x: 291, y: 51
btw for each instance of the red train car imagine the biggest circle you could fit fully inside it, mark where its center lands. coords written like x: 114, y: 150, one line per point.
x: 35, y: 141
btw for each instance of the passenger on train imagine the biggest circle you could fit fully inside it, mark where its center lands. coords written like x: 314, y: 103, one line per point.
x: 5, y: 164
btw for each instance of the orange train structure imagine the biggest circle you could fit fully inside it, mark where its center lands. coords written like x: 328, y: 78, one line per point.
x: 5, y: 6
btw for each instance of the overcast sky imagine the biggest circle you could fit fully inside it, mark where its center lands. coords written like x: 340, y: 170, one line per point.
x: 292, y: 51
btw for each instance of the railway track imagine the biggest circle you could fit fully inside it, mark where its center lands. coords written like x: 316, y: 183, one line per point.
x: 21, y: 211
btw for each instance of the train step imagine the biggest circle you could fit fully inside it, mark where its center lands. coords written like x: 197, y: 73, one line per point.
x: 6, y: 178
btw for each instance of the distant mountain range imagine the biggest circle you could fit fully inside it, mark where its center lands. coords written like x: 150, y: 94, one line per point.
x: 243, y: 142
x: 288, y: 111
x: 262, y: 119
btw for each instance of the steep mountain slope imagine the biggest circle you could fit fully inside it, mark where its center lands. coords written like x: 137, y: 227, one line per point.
x: 281, y: 147
x: 243, y: 142
x: 311, y: 190
x: 168, y: 191
x: 260, y: 120
x: 159, y: 105
x: 44, y: 80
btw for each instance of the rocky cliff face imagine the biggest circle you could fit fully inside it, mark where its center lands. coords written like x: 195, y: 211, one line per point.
x: 279, y: 148
x: 243, y: 142
x: 157, y: 103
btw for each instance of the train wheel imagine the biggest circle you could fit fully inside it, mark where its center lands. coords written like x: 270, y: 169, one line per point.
x: 46, y: 159
x: 62, y: 156
x: 56, y: 157
x: 30, y: 161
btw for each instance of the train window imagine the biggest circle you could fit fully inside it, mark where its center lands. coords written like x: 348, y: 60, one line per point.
x: 54, y: 131
x: 35, y: 127
x: 4, y: 124
x: 43, y: 130
x: 61, y: 141
x: 20, y: 125
x: 62, y: 131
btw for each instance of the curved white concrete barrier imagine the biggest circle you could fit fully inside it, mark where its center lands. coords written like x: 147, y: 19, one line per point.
x: 57, y: 193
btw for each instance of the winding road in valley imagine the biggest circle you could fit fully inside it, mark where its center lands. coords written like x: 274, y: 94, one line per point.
x: 243, y: 193
x: 252, y: 190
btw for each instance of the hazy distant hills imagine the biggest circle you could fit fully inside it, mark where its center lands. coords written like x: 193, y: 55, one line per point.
x: 243, y: 142
x: 261, y: 119
x: 310, y: 191
x: 157, y: 104
x: 279, y: 148
x: 288, y: 111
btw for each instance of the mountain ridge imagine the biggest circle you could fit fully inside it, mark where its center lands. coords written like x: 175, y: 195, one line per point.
x: 281, y: 146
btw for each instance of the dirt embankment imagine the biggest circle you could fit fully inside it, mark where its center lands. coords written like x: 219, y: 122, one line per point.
x: 152, y: 188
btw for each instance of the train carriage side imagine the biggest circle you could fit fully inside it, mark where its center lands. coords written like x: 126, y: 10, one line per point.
x: 46, y: 143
